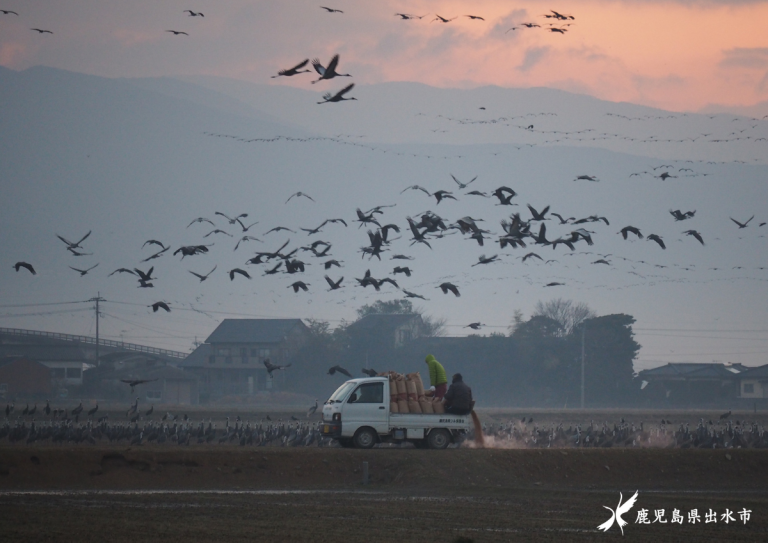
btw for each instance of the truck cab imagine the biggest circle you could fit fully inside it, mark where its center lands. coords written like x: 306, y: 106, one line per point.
x: 358, y: 415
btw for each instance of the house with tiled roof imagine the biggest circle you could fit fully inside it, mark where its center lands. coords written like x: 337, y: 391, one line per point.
x: 231, y: 361
x: 691, y: 383
x: 754, y: 383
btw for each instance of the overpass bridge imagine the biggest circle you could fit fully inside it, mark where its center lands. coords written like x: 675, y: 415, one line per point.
x: 93, y: 349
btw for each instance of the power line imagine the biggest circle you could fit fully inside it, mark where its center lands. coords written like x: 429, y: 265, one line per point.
x: 44, y: 313
x: 692, y: 330
x: 709, y: 337
x: 40, y: 305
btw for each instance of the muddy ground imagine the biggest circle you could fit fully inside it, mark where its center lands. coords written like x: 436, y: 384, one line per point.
x: 212, y: 493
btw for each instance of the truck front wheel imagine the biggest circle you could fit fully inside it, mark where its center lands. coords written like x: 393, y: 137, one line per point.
x: 438, y: 439
x: 365, y: 438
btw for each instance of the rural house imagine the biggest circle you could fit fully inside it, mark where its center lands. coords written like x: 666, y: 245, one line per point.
x: 231, y: 361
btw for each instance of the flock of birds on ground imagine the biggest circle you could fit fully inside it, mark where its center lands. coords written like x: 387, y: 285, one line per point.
x: 706, y: 434
x: 63, y: 426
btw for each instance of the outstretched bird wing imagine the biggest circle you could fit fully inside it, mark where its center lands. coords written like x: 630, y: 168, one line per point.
x: 621, y: 509
x: 605, y: 526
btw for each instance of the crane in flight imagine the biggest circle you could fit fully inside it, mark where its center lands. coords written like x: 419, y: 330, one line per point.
x: 339, y: 96
x: 328, y: 72
x: 288, y: 72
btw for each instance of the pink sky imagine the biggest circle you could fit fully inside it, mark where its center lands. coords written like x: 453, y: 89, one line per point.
x: 675, y: 55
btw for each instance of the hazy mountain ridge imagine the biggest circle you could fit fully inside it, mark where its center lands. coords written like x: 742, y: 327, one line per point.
x: 404, y: 112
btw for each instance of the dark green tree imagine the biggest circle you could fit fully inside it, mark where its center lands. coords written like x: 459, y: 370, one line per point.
x: 610, y: 350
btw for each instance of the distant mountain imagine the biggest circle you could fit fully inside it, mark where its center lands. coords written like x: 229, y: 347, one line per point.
x: 756, y: 111
x: 416, y: 113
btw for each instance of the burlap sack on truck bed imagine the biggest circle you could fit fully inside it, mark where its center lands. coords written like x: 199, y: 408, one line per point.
x: 402, y: 393
x: 414, y: 406
x: 410, y: 387
x: 416, y: 378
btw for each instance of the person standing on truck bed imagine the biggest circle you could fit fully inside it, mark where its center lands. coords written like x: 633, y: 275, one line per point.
x: 437, y: 377
x: 458, y: 399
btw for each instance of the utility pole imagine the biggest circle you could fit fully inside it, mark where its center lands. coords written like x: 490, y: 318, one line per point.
x: 583, y: 332
x: 97, y: 299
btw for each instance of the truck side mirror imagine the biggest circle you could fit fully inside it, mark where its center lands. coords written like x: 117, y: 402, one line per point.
x: 352, y: 398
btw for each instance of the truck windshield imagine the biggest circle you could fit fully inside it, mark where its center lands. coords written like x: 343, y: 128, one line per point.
x: 341, y: 392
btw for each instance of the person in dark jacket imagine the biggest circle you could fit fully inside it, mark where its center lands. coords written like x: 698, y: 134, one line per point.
x: 458, y: 399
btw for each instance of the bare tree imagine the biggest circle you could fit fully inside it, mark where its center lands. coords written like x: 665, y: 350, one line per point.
x: 433, y: 326
x: 517, y: 319
x: 566, y: 312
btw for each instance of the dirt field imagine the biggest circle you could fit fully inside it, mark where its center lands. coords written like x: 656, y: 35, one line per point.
x: 211, y: 493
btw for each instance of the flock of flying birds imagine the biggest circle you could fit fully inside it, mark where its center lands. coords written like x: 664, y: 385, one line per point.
x: 517, y: 231
x: 522, y: 231
x: 329, y: 71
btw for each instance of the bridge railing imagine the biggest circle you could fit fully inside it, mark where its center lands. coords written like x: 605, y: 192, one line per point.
x: 92, y: 341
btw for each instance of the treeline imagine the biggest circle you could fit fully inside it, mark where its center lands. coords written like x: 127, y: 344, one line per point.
x: 538, y: 364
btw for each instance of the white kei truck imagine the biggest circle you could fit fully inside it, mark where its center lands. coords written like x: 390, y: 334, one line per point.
x: 358, y: 415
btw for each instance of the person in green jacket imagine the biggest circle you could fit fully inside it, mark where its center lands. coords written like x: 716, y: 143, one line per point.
x: 437, y: 377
